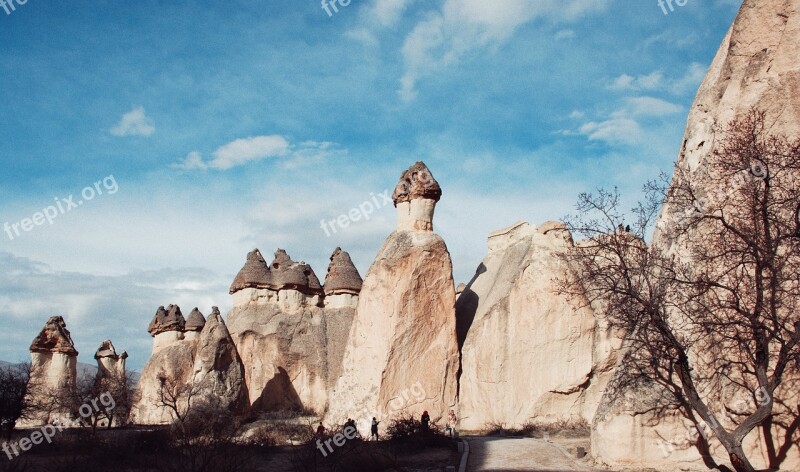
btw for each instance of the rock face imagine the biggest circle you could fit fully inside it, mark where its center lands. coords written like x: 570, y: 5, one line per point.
x: 218, y: 373
x: 415, y: 198
x: 184, y: 360
x: 290, y: 346
x: 756, y: 66
x: 289, y: 284
x: 527, y: 353
x: 110, y: 365
x: 54, y: 361
x: 403, y: 337
x: 343, y: 281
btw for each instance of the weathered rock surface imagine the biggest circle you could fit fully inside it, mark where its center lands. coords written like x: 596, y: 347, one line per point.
x: 205, y: 363
x: 110, y: 365
x: 403, y: 335
x: 54, y: 361
x: 290, y: 347
x: 415, y: 198
x: 756, y: 66
x: 290, y: 359
x: 527, y: 353
x: 218, y: 371
x: 343, y: 282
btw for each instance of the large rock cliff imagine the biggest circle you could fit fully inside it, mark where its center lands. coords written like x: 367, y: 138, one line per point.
x: 756, y: 67
x: 289, y: 332
x: 528, y: 354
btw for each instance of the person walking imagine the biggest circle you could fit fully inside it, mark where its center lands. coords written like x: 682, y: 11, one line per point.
x: 452, y: 419
x: 375, y: 424
x: 426, y: 419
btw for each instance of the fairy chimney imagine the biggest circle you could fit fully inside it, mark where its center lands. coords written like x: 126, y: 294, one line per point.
x: 343, y: 282
x: 415, y: 198
x: 194, y: 324
x: 167, y: 326
x: 110, y: 365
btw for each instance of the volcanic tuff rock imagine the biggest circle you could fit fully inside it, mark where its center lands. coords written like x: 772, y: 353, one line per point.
x: 343, y: 282
x: 204, y: 362
x: 53, y: 370
x: 415, y: 198
x: 290, y: 284
x: 756, y: 66
x: 527, y: 353
x: 110, y: 364
x: 403, y: 335
x: 218, y: 371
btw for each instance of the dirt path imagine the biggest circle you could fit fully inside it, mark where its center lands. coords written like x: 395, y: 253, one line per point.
x: 499, y: 454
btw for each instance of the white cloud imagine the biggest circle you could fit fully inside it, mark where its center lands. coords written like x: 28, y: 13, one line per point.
x: 443, y: 37
x: 387, y: 12
x: 656, y: 81
x: 649, y: 106
x: 242, y: 151
x: 192, y: 161
x: 650, y: 81
x: 614, y: 130
x: 622, y: 126
x: 134, y: 123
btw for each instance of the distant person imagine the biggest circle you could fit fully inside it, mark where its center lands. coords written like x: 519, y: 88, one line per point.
x: 627, y: 228
x: 452, y: 419
x: 426, y: 419
x: 374, y: 431
x: 320, y: 430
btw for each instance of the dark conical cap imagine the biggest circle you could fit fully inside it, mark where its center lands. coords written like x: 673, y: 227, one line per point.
x: 107, y: 350
x: 195, y: 321
x: 342, y: 274
x: 167, y: 319
x: 417, y: 182
x: 288, y: 274
x: 254, y: 274
x: 54, y: 337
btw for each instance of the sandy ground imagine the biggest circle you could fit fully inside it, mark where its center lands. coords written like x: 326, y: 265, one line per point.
x: 498, y: 454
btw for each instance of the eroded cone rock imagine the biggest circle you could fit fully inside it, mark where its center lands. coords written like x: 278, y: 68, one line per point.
x: 194, y: 324
x: 757, y: 67
x: 184, y: 360
x: 343, y: 282
x: 415, y: 197
x: 403, y: 337
x: 291, y: 348
x: 54, y: 361
x: 218, y: 371
x: 110, y: 365
x: 527, y: 352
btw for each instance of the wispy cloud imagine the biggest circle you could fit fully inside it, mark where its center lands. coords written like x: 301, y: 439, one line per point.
x: 676, y: 85
x: 134, y: 123
x: 623, y: 125
x: 243, y: 151
x: 443, y: 37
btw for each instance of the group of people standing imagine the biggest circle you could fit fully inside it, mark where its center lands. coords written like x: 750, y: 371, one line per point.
x: 425, y: 422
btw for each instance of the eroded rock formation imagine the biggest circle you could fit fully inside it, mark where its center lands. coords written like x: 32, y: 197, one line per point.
x: 757, y: 67
x: 196, y: 356
x: 404, y: 333
x: 291, y: 346
x: 110, y: 365
x: 54, y: 361
x: 527, y: 353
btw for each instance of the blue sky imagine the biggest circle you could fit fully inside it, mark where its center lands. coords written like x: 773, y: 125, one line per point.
x: 240, y: 124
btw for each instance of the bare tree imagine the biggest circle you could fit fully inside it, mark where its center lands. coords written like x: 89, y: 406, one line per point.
x: 711, y: 311
x: 176, y: 395
x: 13, y: 383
